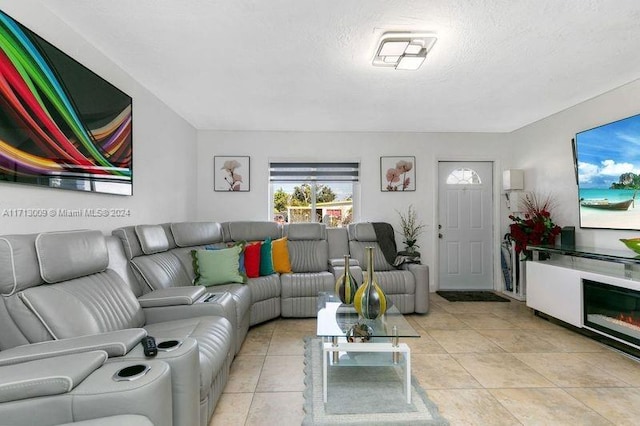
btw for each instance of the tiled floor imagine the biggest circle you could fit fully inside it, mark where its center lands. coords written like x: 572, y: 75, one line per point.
x: 481, y: 363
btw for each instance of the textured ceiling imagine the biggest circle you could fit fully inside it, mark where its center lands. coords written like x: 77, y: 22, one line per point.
x: 306, y: 64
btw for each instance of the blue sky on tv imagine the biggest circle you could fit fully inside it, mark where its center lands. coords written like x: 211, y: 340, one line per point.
x: 606, y: 152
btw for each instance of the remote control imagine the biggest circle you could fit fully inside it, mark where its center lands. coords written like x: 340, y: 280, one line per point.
x: 149, y: 346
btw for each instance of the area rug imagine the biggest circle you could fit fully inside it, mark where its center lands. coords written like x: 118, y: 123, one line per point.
x: 359, y: 395
x: 472, y: 296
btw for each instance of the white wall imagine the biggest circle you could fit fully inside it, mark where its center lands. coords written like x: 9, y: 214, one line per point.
x: 367, y: 148
x: 543, y: 150
x: 163, y: 148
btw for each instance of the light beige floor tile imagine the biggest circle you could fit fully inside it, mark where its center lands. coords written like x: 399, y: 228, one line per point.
x: 471, y: 407
x: 569, y: 370
x: 550, y: 406
x: 619, y: 405
x: 470, y: 307
x: 569, y: 341
x: 440, y: 371
x: 621, y: 366
x: 536, y: 323
x: 245, y: 372
x: 485, y: 321
x: 412, y: 320
x: 437, y: 299
x: 256, y: 343
x: 502, y: 370
x: 232, y: 409
x: 425, y: 344
x: 289, y: 342
x: 440, y: 321
x: 307, y: 325
x: 434, y: 307
x: 463, y: 341
x: 452, y: 381
x: 517, y: 312
x: 276, y: 408
x: 265, y: 327
x: 282, y: 374
x: 518, y: 341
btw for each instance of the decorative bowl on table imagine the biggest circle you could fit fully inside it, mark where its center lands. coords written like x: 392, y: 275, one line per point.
x: 632, y: 243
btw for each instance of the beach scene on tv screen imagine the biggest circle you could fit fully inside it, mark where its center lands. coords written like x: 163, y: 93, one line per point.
x: 608, y: 161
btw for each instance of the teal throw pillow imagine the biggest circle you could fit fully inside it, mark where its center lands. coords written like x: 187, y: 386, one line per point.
x: 266, y: 262
x: 213, y: 267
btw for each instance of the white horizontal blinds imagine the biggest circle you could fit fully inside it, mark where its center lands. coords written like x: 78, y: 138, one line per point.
x: 313, y: 172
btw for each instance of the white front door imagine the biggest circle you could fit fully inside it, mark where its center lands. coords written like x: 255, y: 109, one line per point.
x: 465, y: 217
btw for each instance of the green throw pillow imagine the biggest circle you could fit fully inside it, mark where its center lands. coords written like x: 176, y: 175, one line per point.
x: 213, y: 267
x: 266, y: 262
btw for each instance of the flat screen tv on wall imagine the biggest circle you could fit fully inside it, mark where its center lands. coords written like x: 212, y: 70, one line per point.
x: 607, y: 161
x: 61, y: 125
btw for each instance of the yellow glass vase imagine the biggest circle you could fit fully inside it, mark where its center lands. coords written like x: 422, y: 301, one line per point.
x: 370, y: 301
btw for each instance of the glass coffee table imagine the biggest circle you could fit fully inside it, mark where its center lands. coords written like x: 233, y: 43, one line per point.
x: 382, y: 347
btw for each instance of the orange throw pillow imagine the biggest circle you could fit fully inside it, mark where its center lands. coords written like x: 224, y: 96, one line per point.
x: 280, y: 255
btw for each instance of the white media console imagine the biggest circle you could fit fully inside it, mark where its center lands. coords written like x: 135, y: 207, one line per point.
x: 555, y: 286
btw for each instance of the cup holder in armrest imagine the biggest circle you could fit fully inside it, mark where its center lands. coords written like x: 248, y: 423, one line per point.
x: 169, y: 345
x: 131, y: 372
x: 211, y: 297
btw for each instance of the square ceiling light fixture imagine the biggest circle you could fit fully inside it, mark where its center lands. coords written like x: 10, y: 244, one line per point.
x: 403, y: 50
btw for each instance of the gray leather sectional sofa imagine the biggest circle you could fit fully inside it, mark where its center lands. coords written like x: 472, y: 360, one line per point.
x: 76, y: 305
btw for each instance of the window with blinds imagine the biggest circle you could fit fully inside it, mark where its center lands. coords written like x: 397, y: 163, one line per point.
x: 313, y: 191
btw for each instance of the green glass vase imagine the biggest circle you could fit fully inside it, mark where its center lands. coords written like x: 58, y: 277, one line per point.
x: 346, y: 285
x: 370, y: 301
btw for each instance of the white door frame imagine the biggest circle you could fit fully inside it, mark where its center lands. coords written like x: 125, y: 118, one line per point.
x: 497, y: 198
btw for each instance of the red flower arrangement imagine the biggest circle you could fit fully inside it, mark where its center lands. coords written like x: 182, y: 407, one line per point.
x: 536, y: 227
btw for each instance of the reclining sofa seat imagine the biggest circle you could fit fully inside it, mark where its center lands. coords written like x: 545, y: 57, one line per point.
x: 78, y: 388
x: 309, y: 257
x: 60, y: 287
x: 265, y: 290
x: 159, y: 258
x: 407, y: 288
x: 68, y: 381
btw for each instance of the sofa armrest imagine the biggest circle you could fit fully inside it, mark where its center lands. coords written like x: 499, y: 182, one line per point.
x: 421, y: 275
x: 340, y: 262
x: 115, y: 343
x: 45, y: 377
x: 209, y: 304
x: 337, y: 271
x: 172, y: 296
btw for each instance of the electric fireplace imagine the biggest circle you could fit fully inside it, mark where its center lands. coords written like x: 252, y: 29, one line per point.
x: 613, y: 311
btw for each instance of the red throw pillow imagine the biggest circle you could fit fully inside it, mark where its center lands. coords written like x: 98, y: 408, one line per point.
x: 252, y: 260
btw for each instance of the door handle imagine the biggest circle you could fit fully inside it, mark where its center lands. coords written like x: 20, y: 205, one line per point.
x: 439, y: 235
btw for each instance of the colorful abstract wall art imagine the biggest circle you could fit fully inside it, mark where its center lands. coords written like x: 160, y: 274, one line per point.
x: 61, y: 125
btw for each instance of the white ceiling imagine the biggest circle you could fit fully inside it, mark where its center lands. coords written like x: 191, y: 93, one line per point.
x: 305, y: 65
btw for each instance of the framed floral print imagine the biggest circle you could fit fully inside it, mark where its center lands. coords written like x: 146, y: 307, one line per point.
x: 231, y: 173
x: 397, y: 174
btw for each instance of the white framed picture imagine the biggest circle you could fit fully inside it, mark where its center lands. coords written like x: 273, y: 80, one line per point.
x: 397, y: 174
x: 231, y: 173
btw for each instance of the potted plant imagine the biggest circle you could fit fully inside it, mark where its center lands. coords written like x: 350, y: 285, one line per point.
x: 411, y: 229
x: 536, y: 227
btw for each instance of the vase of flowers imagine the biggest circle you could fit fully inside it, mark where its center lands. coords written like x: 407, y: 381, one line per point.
x: 411, y: 229
x: 536, y: 227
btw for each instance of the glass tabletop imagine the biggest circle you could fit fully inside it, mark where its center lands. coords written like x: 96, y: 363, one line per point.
x: 614, y: 255
x: 335, y: 319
